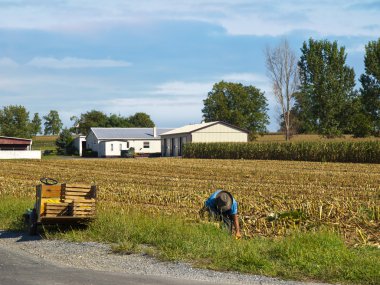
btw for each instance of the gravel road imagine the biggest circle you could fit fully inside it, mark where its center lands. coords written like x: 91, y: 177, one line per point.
x: 98, y: 257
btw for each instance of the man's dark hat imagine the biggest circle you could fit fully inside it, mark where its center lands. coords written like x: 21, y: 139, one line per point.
x: 223, y: 201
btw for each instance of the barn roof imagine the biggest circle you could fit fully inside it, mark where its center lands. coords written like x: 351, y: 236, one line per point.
x: 196, y: 127
x: 13, y: 140
x: 127, y: 133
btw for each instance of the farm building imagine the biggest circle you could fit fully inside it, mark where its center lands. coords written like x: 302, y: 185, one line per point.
x: 80, y: 144
x: 173, y: 141
x: 17, y: 148
x: 109, y: 142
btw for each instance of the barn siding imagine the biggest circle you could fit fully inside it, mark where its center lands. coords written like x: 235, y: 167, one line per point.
x: 219, y: 132
x: 219, y: 137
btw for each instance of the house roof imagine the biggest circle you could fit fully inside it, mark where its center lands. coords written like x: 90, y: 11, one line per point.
x: 196, y: 127
x: 127, y: 133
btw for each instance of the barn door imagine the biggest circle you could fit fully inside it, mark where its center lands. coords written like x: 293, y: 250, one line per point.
x: 172, y: 147
x: 180, y: 147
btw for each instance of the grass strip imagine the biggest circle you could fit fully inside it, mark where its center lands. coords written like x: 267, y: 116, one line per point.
x: 11, y: 211
x: 321, y: 255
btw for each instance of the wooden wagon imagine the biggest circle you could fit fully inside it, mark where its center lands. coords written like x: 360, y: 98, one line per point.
x: 61, y: 204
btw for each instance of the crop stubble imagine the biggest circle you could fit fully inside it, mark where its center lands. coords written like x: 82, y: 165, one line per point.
x: 275, y: 197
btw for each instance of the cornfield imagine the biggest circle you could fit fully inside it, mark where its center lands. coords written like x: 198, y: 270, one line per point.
x: 275, y: 197
x: 361, y: 152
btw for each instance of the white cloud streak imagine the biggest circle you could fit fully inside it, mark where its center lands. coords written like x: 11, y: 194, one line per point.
x: 238, y: 17
x: 201, y: 89
x: 72, y: 62
x: 7, y: 62
x: 180, y: 88
x: 64, y: 63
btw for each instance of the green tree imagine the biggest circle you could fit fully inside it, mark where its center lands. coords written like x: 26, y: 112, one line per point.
x: 91, y: 119
x: 35, y: 125
x: 141, y: 120
x: 64, y: 142
x: 14, y: 121
x: 360, y: 122
x: 326, y: 86
x: 53, y: 123
x: 117, y: 121
x: 234, y: 103
x: 370, y: 81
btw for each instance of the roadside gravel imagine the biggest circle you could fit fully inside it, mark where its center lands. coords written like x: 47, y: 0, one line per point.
x: 99, y: 257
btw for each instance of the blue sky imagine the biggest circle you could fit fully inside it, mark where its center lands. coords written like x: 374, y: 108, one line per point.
x: 160, y: 57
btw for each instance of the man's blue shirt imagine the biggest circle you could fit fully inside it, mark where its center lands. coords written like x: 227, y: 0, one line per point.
x: 210, y: 203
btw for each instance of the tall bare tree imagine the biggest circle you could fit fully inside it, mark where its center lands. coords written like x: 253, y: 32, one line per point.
x: 282, y: 70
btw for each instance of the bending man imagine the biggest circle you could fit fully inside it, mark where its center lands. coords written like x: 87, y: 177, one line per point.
x: 222, y: 203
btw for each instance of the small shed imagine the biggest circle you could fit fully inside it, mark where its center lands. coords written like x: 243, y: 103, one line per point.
x: 80, y: 144
x: 17, y: 148
x: 11, y: 143
x: 172, y: 142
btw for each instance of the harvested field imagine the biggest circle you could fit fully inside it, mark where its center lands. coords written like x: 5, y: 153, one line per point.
x: 275, y: 197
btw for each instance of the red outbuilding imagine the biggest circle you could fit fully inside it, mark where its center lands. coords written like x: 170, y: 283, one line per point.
x: 9, y: 143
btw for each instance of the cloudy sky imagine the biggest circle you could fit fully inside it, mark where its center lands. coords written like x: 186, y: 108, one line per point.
x: 159, y: 56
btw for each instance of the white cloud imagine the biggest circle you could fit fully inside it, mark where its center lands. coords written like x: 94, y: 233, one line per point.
x: 238, y: 17
x: 245, y: 77
x: 356, y: 49
x: 255, y: 79
x: 201, y: 89
x: 143, y: 102
x: 7, y: 62
x: 180, y: 88
x: 72, y: 62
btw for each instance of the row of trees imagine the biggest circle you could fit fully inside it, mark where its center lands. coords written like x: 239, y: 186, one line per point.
x: 316, y: 94
x: 15, y: 122
x: 94, y: 118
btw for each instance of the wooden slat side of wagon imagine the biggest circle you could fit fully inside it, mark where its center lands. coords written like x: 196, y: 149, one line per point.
x: 62, y: 204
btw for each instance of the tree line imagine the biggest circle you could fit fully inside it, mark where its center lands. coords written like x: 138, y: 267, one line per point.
x: 15, y: 122
x: 316, y: 93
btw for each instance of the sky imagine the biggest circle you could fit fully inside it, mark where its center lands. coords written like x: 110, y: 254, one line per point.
x: 161, y: 57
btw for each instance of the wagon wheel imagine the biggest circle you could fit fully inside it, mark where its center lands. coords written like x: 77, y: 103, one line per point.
x: 32, y: 223
x: 48, y: 181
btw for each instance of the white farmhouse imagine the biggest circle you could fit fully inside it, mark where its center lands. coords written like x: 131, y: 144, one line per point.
x: 109, y: 142
x: 173, y: 141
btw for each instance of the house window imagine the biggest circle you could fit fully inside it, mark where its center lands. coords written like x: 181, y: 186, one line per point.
x: 127, y: 144
x: 111, y: 146
x: 146, y: 144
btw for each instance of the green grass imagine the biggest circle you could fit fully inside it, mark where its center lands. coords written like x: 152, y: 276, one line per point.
x: 321, y: 256
x: 11, y: 211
